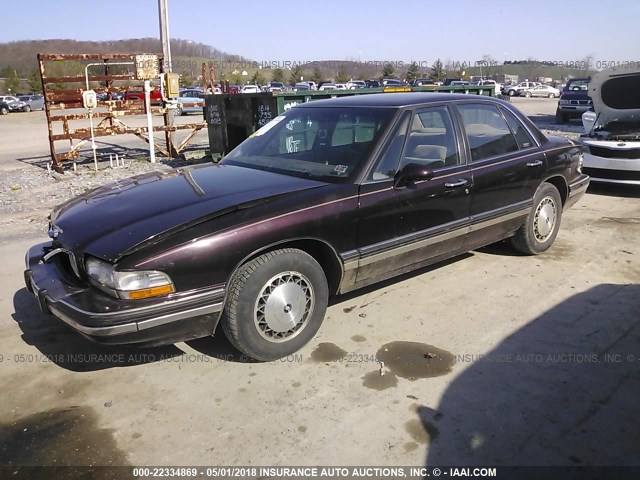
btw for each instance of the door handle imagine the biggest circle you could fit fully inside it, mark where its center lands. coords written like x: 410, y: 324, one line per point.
x: 458, y: 184
x: 537, y: 163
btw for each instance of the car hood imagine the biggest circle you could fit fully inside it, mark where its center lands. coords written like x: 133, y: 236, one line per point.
x: 616, y: 95
x: 117, y: 219
x: 576, y: 95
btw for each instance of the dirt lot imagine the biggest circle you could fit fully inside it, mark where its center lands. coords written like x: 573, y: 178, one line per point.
x: 536, y: 360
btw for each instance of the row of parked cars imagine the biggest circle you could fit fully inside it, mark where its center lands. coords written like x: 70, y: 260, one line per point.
x: 21, y: 103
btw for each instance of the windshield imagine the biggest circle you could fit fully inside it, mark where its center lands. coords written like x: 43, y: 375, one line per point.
x: 327, y: 144
x: 577, y: 85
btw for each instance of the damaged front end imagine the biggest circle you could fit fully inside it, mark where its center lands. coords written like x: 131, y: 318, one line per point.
x: 611, y: 143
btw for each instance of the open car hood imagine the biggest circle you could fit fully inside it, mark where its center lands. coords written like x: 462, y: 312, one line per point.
x: 616, y: 95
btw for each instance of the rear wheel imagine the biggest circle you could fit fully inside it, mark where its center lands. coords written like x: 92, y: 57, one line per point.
x: 542, y: 224
x: 527, y: 94
x: 511, y: 93
x: 26, y: 108
x: 552, y: 95
x: 276, y: 304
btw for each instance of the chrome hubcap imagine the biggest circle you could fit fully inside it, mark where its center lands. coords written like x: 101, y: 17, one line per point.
x: 545, y: 219
x: 284, y: 306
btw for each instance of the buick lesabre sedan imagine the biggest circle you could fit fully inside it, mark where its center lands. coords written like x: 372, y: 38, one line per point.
x: 329, y: 197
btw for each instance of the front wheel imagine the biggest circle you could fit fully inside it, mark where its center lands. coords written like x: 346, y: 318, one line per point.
x: 511, y: 93
x: 552, y: 95
x: 542, y: 224
x: 276, y: 304
x: 27, y: 108
x: 4, y: 110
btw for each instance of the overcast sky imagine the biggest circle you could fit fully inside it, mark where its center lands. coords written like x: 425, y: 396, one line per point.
x: 373, y: 30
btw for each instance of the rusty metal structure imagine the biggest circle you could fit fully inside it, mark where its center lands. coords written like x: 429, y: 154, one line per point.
x: 109, y: 74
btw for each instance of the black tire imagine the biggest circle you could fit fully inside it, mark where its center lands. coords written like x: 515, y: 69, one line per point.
x: 4, y: 110
x: 26, y: 108
x: 511, y: 93
x: 542, y: 224
x: 552, y: 95
x: 179, y: 111
x: 245, y: 319
x: 527, y: 94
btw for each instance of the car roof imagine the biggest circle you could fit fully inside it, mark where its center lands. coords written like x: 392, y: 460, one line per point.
x: 393, y: 100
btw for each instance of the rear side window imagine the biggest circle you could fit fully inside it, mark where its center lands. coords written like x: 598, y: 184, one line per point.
x: 487, y: 131
x: 523, y: 138
x: 431, y: 141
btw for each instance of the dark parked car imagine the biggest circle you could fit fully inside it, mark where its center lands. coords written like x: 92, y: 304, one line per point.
x: 330, y: 196
x: 574, y: 100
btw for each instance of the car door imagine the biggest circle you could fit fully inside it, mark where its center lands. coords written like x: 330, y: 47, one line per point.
x: 401, y: 227
x: 507, y: 166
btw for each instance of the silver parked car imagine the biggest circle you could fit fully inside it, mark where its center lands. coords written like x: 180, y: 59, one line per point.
x: 541, y: 91
x: 188, y: 97
x: 33, y: 102
x: 15, y: 104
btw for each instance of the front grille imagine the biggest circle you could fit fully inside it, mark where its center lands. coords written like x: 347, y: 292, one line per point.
x: 580, y: 102
x: 633, y: 154
x: 612, y: 174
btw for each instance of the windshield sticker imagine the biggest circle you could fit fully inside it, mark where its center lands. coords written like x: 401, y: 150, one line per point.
x: 292, y: 145
x: 268, y: 126
x: 341, y: 169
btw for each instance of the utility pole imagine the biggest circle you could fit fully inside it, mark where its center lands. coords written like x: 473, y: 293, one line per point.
x: 163, y: 10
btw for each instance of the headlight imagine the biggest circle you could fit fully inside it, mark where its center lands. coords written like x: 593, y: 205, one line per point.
x: 564, y: 102
x: 129, y: 285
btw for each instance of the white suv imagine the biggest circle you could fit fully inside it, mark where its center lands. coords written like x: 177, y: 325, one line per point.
x: 251, y: 89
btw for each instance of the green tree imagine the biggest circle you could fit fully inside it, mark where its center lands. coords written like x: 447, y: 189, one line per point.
x: 388, y: 71
x: 186, y: 79
x: 342, y: 76
x: 296, y: 73
x: 412, y: 72
x: 278, y: 75
x: 437, y: 71
x: 257, y: 78
x: 317, y: 75
x: 35, y: 84
x: 11, y: 82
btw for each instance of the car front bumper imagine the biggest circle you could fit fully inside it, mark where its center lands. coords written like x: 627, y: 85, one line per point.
x: 104, y: 319
x: 614, y: 168
x: 574, y: 110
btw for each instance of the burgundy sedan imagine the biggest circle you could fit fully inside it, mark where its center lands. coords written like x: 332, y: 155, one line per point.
x: 331, y: 196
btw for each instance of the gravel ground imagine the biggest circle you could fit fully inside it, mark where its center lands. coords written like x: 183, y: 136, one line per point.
x: 29, y: 193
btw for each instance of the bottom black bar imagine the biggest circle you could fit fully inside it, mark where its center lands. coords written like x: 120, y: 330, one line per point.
x: 328, y: 472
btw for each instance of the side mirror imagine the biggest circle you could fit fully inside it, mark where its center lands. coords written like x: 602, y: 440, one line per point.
x: 412, y: 172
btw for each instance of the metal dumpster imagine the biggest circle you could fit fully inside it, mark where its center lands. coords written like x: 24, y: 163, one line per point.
x: 232, y: 118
